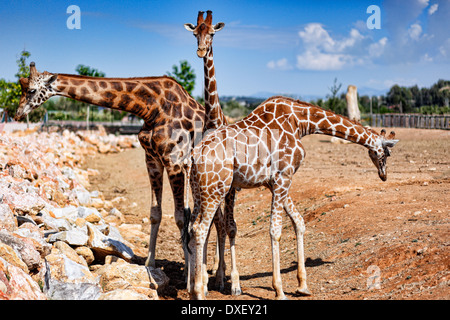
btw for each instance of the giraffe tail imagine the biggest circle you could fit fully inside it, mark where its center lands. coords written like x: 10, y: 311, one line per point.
x: 185, y: 234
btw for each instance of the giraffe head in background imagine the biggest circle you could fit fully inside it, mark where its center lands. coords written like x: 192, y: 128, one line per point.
x: 204, y: 32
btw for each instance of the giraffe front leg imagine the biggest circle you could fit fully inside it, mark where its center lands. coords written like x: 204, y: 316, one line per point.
x: 200, y: 235
x: 201, y: 229
x: 299, y: 227
x: 155, y: 172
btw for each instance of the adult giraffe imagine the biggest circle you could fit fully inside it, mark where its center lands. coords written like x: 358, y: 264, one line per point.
x: 204, y: 32
x: 173, y: 122
x: 265, y: 149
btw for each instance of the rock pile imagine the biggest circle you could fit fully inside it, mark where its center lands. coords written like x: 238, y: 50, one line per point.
x: 58, y: 240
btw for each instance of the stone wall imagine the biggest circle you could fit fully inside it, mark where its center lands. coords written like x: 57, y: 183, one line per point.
x: 58, y: 238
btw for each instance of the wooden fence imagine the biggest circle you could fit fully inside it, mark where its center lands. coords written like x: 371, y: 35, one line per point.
x: 411, y: 121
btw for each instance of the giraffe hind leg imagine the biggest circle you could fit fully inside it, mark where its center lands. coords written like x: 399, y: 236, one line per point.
x: 275, y: 236
x: 220, y: 250
x: 201, y: 229
x: 299, y: 227
x: 231, y: 231
x: 176, y: 181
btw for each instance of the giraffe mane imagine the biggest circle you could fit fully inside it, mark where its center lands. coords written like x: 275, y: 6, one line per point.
x: 114, y: 78
x: 320, y: 108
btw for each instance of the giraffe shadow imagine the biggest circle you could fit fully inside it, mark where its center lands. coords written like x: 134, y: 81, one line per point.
x: 174, y: 271
x: 309, y: 263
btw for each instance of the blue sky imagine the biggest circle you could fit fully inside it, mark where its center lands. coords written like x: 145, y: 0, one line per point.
x: 277, y: 47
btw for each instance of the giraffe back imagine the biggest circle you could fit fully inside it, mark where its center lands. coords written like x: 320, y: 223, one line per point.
x: 252, y: 150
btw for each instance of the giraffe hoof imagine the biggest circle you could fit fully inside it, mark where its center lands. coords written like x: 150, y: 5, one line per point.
x: 303, y: 292
x: 236, y: 291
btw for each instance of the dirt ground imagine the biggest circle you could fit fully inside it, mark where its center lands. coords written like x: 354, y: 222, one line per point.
x: 365, y: 238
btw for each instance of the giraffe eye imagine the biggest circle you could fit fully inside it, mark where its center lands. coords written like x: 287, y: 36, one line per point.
x: 32, y: 91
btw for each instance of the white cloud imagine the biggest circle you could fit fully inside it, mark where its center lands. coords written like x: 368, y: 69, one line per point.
x: 316, y: 60
x: 427, y: 58
x: 323, y: 52
x: 315, y: 35
x: 377, y: 49
x: 281, y: 64
x: 415, y: 31
x: 433, y: 9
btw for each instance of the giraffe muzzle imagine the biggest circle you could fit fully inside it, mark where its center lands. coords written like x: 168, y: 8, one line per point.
x: 201, y: 52
x: 19, y: 116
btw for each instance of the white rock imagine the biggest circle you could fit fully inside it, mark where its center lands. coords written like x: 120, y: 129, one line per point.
x: 7, y: 219
x: 22, y: 286
x: 84, y: 197
x: 70, y: 212
x: 74, y: 237
x: 123, y: 294
x: 25, y: 250
x: 105, y: 245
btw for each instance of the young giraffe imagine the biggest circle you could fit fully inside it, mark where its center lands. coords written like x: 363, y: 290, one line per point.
x: 204, y: 32
x: 264, y: 149
x: 173, y: 122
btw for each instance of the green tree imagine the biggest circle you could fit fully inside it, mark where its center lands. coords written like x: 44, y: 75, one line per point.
x: 83, y: 70
x: 235, y: 110
x: 335, y: 103
x: 184, y: 75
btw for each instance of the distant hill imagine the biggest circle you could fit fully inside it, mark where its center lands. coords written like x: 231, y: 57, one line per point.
x: 366, y: 91
x: 250, y: 100
x: 260, y: 96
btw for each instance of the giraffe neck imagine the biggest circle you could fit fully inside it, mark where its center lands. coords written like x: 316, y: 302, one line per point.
x: 138, y: 96
x: 315, y: 120
x: 214, y: 112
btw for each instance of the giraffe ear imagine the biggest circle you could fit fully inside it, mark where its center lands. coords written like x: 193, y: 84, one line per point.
x: 189, y: 27
x: 219, y: 26
x: 52, y: 79
x: 23, y: 82
x: 389, y: 143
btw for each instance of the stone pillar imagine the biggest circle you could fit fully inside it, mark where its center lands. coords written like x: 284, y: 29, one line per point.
x: 352, y: 104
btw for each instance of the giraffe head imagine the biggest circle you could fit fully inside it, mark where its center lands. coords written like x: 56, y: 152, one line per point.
x: 36, y: 89
x: 204, y: 32
x: 380, y: 152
